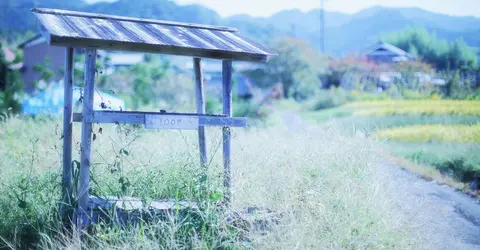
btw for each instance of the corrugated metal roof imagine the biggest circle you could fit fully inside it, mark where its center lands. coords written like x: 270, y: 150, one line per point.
x: 78, y: 29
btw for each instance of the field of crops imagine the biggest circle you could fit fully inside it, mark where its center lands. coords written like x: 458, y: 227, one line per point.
x: 432, y: 133
x: 444, y: 134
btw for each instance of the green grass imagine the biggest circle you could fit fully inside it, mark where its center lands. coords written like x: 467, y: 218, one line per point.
x: 452, y: 122
x: 389, y: 108
x: 460, y: 160
x: 323, y: 183
x: 371, y: 124
x: 326, y: 114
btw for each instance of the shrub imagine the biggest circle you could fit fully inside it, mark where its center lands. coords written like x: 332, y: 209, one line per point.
x: 247, y: 108
x: 329, y: 98
x: 335, y: 97
x: 213, y: 106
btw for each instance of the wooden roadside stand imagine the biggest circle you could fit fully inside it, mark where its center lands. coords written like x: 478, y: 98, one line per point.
x: 92, y: 32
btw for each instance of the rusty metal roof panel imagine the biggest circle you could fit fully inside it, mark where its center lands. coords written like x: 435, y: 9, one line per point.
x: 77, y: 29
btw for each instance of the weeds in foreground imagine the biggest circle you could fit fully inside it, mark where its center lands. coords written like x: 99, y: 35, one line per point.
x: 324, y: 185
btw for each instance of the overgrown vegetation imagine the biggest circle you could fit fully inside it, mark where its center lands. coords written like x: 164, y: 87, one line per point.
x: 316, y: 210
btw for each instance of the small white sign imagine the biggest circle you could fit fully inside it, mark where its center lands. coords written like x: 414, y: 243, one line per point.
x: 171, y: 122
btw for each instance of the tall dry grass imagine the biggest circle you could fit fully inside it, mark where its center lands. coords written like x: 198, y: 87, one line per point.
x: 325, y: 185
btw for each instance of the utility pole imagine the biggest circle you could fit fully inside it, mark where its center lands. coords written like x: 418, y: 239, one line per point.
x: 322, y: 26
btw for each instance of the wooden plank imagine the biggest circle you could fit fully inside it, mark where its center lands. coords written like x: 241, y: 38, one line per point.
x: 171, y: 122
x: 227, y: 111
x: 86, y: 143
x: 200, y: 100
x: 65, y: 207
x: 123, y: 117
x: 154, y: 48
x: 128, y: 210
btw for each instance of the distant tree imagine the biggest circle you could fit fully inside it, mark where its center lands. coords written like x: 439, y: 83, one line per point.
x: 45, y: 70
x: 297, y: 67
x: 11, y: 91
x: 145, y: 84
x: 461, y: 56
x: 440, y: 53
x: 456, y: 89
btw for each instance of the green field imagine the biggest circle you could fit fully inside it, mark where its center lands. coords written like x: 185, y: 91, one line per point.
x: 272, y: 168
x: 443, y: 134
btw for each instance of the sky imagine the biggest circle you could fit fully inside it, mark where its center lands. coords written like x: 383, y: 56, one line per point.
x: 264, y: 8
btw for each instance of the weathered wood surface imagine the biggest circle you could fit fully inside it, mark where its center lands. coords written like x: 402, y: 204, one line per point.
x: 131, y: 19
x: 76, y: 29
x: 60, y: 41
x: 123, y: 117
x: 83, y: 219
x: 171, y: 122
x: 65, y: 208
x: 200, y: 100
x: 227, y: 111
x: 131, y: 210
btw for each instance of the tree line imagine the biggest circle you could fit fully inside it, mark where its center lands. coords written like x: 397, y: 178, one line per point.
x: 440, y: 53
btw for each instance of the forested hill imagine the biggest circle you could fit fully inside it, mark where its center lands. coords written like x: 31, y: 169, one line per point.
x: 344, y: 33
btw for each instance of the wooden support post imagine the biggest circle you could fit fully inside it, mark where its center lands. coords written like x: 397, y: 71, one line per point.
x: 65, y: 207
x: 83, y: 218
x: 227, y: 111
x: 197, y: 64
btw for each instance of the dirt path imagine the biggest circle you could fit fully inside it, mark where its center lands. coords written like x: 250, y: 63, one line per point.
x: 447, y: 218
x: 444, y: 217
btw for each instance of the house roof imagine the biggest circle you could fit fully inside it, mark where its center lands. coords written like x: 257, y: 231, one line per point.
x: 382, y: 46
x: 34, y: 40
x: 80, y: 30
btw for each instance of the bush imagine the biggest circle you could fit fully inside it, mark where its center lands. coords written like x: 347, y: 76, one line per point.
x: 335, y: 97
x: 329, y: 99
x: 246, y: 108
x: 11, y: 91
x: 213, y: 106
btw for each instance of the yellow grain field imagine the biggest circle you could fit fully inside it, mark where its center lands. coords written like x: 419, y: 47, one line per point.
x: 428, y: 133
